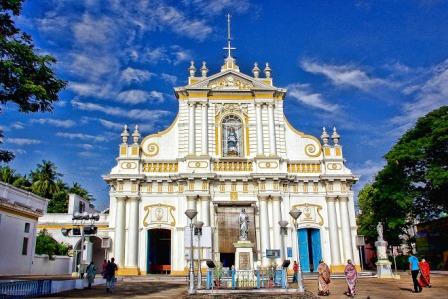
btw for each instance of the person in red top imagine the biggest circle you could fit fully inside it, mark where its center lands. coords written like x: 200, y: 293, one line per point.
x: 424, y: 279
x: 295, y: 268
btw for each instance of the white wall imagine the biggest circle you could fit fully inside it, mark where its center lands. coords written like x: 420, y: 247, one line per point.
x: 42, y: 265
x: 12, y: 232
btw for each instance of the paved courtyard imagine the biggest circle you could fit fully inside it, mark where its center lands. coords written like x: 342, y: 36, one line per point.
x: 367, y: 288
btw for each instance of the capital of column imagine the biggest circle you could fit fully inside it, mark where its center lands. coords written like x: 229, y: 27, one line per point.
x: 191, y: 104
x: 270, y: 105
x: 332, y: 198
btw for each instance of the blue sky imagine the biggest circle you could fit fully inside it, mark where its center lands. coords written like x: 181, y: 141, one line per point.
x: 370, y: 68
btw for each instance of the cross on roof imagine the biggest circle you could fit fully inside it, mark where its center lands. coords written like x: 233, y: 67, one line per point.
x: 229, y: 48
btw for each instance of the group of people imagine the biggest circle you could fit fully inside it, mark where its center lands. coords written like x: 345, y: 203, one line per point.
x: 108, y: 272
x: 422, y: 267
x: 323, y: 281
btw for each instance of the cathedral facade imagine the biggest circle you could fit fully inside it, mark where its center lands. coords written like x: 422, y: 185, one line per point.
x: 230, y: 148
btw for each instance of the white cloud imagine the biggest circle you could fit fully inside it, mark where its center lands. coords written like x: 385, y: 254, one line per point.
x: 54, y: 122
x: 138, y: 114
x: 110, y: 124
x: 430, y: 95
x: 18, y: 125
x: 80, y: 136
x: 218, y: 7
x: 92, y: 31
x: 169, y: 78
x: 135, y: 75
x: 22, y: 141
x: 136, y: 96
x: 344, y: 75
x: 303, y: 94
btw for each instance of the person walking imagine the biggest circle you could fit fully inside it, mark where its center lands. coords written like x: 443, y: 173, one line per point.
x: 110, y: 275
x: 91, y: 272
x: 103, y: 269
x: 414, y: 269
x: 351, y: 276
x: 323, y: 279
x: 295, y: 268
x: 425, y: 280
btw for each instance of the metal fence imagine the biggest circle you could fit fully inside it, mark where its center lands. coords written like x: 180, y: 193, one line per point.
x: 226, y: 278
x: 23, y: 289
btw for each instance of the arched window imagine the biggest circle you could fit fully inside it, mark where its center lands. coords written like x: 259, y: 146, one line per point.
x: 232, y: 136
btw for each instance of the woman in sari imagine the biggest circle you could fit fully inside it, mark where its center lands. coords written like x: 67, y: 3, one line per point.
x: 323, y: 279
x: 91, y: 272
x: 424, y: 279
x: 351, y: 276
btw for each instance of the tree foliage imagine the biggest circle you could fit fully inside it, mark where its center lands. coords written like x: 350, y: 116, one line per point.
x: 26, y: 77
x: 45, y: 181
x: 45, y: 244
x: 414, y: 182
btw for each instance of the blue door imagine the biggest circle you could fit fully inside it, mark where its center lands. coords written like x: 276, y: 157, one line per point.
x: 315, y: 247
x: 303, y: 250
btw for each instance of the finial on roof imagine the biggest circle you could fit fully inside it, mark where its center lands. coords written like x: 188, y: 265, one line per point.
x: 192, y: 69
x: 229, y: 47
x: 136, y: 135
x: 204, y: 69
x: 256, y: 70
x: 125, y: 134
x: 325, y: 137
x: 229, y: 62
x: 335, y: 136
x: 267, y: 70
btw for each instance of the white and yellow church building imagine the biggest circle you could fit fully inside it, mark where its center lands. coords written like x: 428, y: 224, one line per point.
x: 230, y: 147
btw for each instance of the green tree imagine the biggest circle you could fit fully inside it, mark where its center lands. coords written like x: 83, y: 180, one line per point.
x: 81, y: 191
x: 7, y: 174
x: 45, y: 179
x: 26, y: 77
x: 45, y: 244
x: 414, y: 182
x: 58, y: 203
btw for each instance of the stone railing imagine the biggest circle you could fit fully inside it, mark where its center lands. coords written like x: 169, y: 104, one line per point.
x: 233, y: 166
x: 304, y: 167
x: 160, y: 167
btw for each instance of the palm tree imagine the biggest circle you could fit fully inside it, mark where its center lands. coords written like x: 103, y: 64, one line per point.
x: 7, y: 174
x: 81, y: 191
x: 45, y: 179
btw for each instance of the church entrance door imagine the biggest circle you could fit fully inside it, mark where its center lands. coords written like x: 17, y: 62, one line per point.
x: 309, y: 249
x: 159, y: 251
x: 229, y: 230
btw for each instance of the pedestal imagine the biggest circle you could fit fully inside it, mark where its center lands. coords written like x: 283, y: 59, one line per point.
x: 244, y: 256
x: 383, y: 265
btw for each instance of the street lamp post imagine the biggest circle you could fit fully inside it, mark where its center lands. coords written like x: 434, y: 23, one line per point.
x: 198, y: 225
x: 283, y: 231
x: 295, y: 214
x: 80, y: 219
x: 191, y: 213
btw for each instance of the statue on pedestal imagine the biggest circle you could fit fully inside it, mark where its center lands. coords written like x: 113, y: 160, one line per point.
x: 379, y: 229
x: 244, y: 225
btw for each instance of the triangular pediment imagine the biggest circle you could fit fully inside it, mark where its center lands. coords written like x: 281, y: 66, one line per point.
x: 230, y: 80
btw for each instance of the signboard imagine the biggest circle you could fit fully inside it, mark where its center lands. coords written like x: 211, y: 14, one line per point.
x: 360, y: 241
x: 289, y: 250
x: 105, y: 243
x: 206, y: 237
x: 244, y: 261
x: 272, y: 253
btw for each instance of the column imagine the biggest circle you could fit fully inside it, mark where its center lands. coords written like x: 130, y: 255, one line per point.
x: 204, y: 129
x: 260, y: 146
x: 264, y: 229
x: 272, y: 142
x: 205, y: 206
x: 346, y: 230
x: 276, y: 227
x: 119, y: 241
x: 132, y: 243
x: 191, y: 129
x: 333, y: 229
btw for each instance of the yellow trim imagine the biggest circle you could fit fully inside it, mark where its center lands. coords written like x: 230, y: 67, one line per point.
x: 198, y: 94
x: 123, y: 150
x: 224, y: 95
x: 303, y: 135
x: 182, y: 272
x: 338, y: 151
x: 25, y: 214
x: 341, y: 268
x: 128, y: 271
x: 327, y: 151
x: 148, y: 209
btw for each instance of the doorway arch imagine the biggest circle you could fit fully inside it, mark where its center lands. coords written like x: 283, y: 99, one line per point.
x: 310, y: 248
x: 158, y: 251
